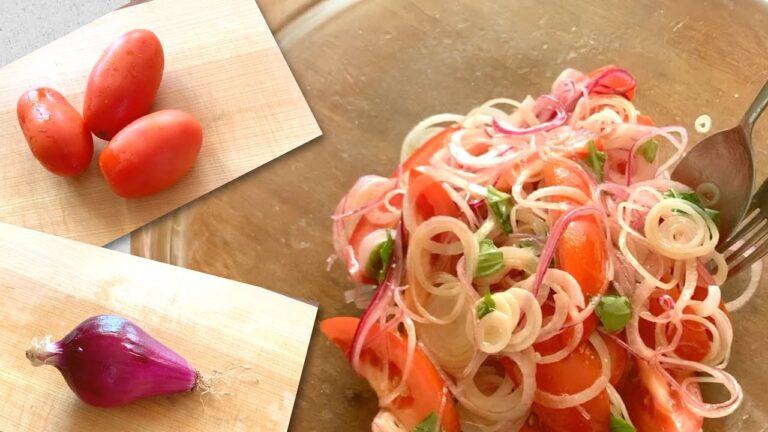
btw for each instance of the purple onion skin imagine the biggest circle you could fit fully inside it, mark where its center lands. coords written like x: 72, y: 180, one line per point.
x: 109, y: 361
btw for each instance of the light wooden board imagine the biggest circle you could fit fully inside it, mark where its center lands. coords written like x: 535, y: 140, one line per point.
x: 49, y: 284
x: 222, y: 65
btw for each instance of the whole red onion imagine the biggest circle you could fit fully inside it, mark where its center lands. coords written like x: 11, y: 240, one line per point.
x: 109, y: 361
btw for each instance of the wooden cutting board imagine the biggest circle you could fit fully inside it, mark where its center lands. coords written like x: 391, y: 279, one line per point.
x: 49, y: 284
x: 222, y: 65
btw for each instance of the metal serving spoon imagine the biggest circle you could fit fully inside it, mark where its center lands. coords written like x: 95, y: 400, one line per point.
x: 725, y: 160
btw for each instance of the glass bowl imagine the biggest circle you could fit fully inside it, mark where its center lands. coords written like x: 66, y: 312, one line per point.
x: 372, y: 69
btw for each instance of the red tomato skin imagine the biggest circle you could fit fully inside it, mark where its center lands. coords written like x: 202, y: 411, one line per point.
x: 152, y: 153
x: 429, y: 199
x: 423, y: 154
x: 645, y: 120
x: 123, y: 83
x: 55, y: 132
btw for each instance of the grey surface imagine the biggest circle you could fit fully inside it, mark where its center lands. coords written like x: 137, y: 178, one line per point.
x: 26, y: 25
x: 123, y: 244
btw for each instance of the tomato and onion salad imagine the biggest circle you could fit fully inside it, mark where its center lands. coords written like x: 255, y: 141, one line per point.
x: 524, y: 241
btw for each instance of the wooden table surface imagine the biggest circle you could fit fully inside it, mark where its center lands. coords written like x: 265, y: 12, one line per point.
x: 374, y: 69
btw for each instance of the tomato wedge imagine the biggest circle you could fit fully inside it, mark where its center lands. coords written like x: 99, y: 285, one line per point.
x: 618, y: 360
x: 424, y: 385
x: 580, y: 252
x: 559, y: 378
x: 560, y: 340
x: 653, y: 405
x: 532, y: 424
x: 581, y: 249
x: 645, y: 120
x: 695, y: 340
x: 423, y: 154
x: 428, y: 198
x: 576, y: 372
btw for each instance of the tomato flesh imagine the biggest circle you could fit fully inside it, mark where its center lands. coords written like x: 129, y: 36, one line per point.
x: 581, y: 249
x: 428, y: 198
x: 382, y: 361
x: 574, y: 373
x: 532, y: 424
x: 422, y: 155
x: 618, y: 360
x: 645, y: 120
x: 695, y: 340
x: 653, y: 405
x: 581, y: 252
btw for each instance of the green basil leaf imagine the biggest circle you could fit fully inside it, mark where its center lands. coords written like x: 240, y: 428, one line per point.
x: 429, y: 424
x: 525, y: 243
x: 596, y: 160
x: 490, y: 260
x: 648, y: 150
x: 614, y: 311
x: 500, y: 204
x: 487, y: 305
x: 691, y: 197
x: 618, y: 424
x: 694, y: 199
x: 378, y: 261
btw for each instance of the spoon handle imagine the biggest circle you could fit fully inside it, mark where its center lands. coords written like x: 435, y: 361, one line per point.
x: 754, y: 111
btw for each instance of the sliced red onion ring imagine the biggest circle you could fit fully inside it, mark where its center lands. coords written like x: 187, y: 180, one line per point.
x: 704, y: 274
x: 554, y: 237
x: 381, y: 299
x: 503, y: 127
x: 596, y: 85
x: 361, y: 185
